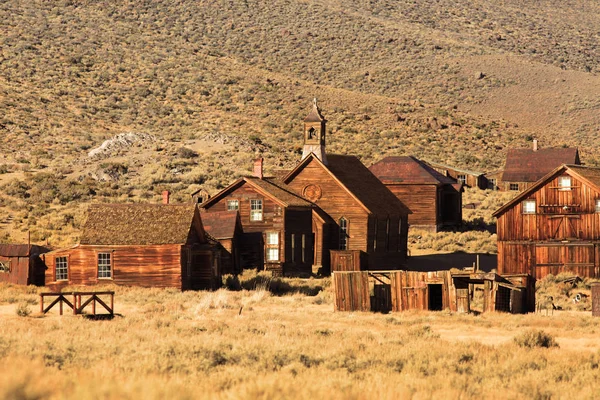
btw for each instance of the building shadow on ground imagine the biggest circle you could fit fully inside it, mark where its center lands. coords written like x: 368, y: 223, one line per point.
x: 446, y: 261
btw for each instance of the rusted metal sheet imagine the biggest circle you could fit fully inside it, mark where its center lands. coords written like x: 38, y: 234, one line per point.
x: 596, y: 299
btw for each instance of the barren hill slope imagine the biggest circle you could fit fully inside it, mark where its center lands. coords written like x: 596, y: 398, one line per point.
x: 453, y: 82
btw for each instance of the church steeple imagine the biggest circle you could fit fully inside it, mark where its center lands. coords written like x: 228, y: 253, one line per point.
x: 314, y: 134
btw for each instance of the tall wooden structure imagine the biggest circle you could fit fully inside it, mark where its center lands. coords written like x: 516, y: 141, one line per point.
x: 150, y: 245
x: 435, y: 200
x: 553, y: 226
x: 524, y: 167
x: 21, y: 264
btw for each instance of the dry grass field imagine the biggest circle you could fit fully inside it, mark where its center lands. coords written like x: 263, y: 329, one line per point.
x: 282, y: 339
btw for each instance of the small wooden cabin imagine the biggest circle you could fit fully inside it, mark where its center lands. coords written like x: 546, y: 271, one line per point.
x: 21, y: 264
x: 150, y: 245
x: 524, y: 167
x: 385, y: 291
x: 226, y: 228
x: 276, y: 223
x: 435, y: 200
x: 200, y: 196
x: 553, y: 226
x: 470, y: 179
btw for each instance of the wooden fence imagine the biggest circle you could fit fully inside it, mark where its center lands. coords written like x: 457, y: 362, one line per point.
x: 77, y: 305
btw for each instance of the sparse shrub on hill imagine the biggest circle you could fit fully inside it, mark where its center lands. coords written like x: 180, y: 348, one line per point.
x: 535, y: 338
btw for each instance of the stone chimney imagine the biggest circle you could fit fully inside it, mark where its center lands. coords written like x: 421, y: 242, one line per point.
x: 258, y: 168
x: 535, y: 145
x: 165, y: 196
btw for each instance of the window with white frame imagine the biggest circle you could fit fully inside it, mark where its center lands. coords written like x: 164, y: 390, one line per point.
x: 256, y: 210
x: 272, y: 248
x: 61, y: 268
x: 462, y: 179
x: 529, y: 207
x: 293, y: 242
x: 233, y: 205
x: 564, y: 183
x: 598, y: 205
x: 104, y: 266
x: 343, y: 233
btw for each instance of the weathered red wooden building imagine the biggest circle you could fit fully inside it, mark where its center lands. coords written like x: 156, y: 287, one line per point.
x: 435, y: 200
x: 151, y: 245
x: 277, y: 224
x: 524, y: 167
x: 21, y: 264
x: 226, y: 228
x: 553, y: 226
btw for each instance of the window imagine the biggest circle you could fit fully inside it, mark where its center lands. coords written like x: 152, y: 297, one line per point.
x: 61, y: 269
x: 529, y: 207
x: 513, y: 186
x: 492, y: 183
x: 375, y: 237
x: 303, y: 248
x: 343, y: 233
x: 387, y: 235
x: 598, y: 205
x: 272, y: 246
x: 5, y: 266
x: 293, y: 240
x: 233, y: 205
x: 564, y: 183
x: 399, y: 235
x: 462, y: 179
x: 104, y: 266
x: 256, y: 210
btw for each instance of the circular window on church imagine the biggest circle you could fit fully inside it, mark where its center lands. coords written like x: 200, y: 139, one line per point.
x: 312, y: 192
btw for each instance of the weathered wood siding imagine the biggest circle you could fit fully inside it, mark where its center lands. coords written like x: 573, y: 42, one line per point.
x: 562, y: 236
x: 351, y: 291
x: 299, y: 255
x: 20, y: 270
x: 422, y: 201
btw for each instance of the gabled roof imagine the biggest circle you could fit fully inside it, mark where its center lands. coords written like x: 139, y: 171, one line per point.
x: 590, y: 175
x: 140, y: 224
x: 21, y: 250
x: 269, y: 187
x: 527, y: 165
x: 444, y: 166
x: 408, y: 170
x: 220, y: 224
x: 359, y: 182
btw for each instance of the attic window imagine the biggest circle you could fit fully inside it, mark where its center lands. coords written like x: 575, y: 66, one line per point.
x: 462, y: 179
x: 4, y: 267
x: 529, y: 207
x: 233, y: 205
x: 564, y: 183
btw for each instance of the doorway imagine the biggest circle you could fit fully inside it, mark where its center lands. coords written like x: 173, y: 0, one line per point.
x: 436, y: 302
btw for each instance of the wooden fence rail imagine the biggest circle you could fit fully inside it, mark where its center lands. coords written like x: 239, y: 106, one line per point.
x: 77, y: 305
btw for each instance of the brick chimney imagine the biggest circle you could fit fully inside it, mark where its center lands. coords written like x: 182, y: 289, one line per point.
x: 165, y: 196
x: 535, y: 145
x: 258, y: 168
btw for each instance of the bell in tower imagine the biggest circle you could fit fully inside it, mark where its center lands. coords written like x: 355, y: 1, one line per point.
x: 314, y: 134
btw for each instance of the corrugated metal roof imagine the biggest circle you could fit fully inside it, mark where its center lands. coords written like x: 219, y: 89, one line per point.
x: 21, y: 250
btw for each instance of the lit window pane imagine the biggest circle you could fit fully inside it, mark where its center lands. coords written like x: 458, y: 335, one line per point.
x: 273, y: 238
x: 104, y: 267
x: 62, y: 273
x: 529, y: 207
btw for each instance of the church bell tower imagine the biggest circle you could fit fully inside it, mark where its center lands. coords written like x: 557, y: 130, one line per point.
x: 314, y: 134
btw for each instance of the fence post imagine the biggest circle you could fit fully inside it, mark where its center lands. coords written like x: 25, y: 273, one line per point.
x: 74, y: 304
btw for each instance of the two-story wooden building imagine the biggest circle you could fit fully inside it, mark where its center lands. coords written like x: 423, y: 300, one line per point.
x: 435, y: 200
x: 276, y: 223
x: 553, y: 226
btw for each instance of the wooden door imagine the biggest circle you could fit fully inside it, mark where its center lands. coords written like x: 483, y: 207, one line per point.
x: 382, y: 299
x: 462, y: 300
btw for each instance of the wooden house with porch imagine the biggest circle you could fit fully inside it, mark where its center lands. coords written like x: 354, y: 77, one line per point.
x: 150, y: 245
x: 21, y: 264
x: 553, y: 226
x: 524, y: 167
x: 435, y: 200
x: 276, y: 223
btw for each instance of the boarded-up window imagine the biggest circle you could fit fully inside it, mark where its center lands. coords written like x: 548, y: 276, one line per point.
x: 61, y: 265
x: 256, y: 210
x: 104, y: 266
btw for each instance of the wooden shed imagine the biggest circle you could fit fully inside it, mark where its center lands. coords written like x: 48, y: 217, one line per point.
x: 471, y: 179
x: 435, y: 200
x: 226, y: 228
x: 21, y: 264
x: 385, y: 291
x: 553, y: 226
x: 150, y: 245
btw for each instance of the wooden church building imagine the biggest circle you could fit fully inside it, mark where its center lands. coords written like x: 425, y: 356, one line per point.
x: 328, y: 207
x: 553, y: 226
x: 435, y: 200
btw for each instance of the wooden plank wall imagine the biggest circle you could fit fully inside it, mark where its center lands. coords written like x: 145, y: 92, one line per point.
x: 298, y: 222
x: 409, y: 289
x: 351, y: 291
x: 422, y: 200
x: 19, y: 270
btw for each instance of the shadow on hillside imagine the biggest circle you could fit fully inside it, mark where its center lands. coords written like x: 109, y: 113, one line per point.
x: 277, y: 286
x: 442, y: 262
